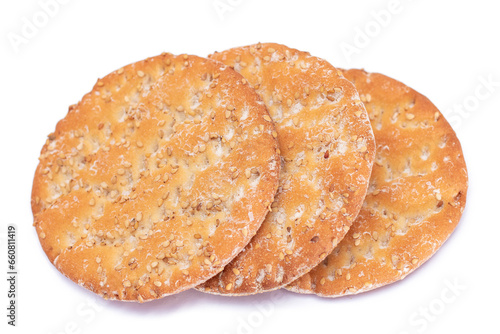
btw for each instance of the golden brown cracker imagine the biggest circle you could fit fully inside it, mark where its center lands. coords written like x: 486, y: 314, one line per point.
x: 416, y: 196
x: 142, y: 190
x: 327, y: 149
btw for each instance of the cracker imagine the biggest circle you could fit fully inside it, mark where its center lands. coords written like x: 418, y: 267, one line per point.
x: 327, y: 149
x: 142, y: 190
x: 416, y: 196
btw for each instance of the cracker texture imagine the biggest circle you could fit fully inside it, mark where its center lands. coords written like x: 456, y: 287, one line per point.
x: 142, y: 190
x: 327, y: 148
x: 416, y: 196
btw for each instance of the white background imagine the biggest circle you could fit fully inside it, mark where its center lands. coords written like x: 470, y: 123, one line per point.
x: 443, y: 49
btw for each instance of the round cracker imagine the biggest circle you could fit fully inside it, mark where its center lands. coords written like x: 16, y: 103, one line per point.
x: 327, y: 149
x: 416, y: 197
x: 142, y: 190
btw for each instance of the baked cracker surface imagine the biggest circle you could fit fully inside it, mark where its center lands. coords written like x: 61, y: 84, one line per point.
x: 416, y: 196
x: 327, y: 149
x: 156, y: 179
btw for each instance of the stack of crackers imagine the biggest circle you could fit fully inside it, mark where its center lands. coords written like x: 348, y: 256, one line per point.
x: 257, y: 168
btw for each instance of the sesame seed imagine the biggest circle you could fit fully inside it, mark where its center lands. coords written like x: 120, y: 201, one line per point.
x: 410, y: 116
x: 140, y: 74
x: 281, y: 256
x: 322, y: 281
x: 348, y: 277
x: 267, y: 118
x: 42, y: 235
x: 236, y: 271
x: 127, y: 284
x: 229, y: 286
x: 157, y: 283
x: 98, y: 259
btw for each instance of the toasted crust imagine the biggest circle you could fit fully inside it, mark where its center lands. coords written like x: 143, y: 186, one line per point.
x: 141, y: 190
x: 416, y: 197
x: 327, y: 148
